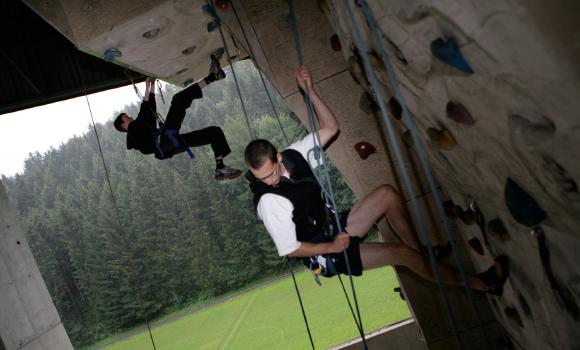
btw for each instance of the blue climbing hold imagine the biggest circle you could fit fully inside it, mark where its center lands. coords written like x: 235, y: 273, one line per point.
x: 522, y: 206
x: 111, y: 54
x: 448, y: 52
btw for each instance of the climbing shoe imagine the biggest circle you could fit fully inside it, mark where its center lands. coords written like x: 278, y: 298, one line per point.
x: 215, y: 71
x: 494, y: 281
x: 227, y: 173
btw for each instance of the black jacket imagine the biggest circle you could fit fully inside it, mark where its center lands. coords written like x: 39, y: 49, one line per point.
x: 140, y: 131
x: 303, y: 191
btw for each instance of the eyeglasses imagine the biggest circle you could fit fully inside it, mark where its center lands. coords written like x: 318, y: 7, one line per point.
x: 274, y: 172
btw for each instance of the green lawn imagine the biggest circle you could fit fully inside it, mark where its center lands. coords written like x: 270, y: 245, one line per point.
x: 270, y: 317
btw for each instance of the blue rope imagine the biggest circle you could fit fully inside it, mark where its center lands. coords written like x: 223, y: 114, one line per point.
x: 252, y: 135
x: 393, y: 139
x: 260, y: 73
x: 426, y: 168
x: 318, y: 151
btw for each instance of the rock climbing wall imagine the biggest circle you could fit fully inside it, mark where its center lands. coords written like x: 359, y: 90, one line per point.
x: 492, y: 88
x: 270, y: 35
x: 170, y: 40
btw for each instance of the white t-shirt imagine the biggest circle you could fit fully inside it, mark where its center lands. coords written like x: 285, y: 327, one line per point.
x: 276, y: 211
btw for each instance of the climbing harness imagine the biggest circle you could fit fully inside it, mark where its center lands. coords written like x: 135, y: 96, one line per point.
x: 172, y: 134
x: 374, y: 29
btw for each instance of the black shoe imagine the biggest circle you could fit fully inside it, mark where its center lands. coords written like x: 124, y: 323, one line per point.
x: 227, y: 172
x: 215, y: 71
x: 491, y: 279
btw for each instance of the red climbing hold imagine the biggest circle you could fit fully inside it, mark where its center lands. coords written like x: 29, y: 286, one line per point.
x: 365, y: 149
x: 396, y: 109
x: 222, y: 4
x: 458, y: 113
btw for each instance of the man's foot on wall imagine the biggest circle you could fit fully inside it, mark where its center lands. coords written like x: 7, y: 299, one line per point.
x: 227, y: 173
x: 215, y: 71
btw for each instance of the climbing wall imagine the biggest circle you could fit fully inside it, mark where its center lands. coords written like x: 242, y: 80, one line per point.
x: 492, y: 88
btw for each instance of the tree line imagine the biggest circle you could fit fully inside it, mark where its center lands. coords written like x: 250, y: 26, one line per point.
x: 169, y: 234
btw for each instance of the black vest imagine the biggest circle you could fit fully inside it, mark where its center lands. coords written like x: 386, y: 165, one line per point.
x: 303, y: 191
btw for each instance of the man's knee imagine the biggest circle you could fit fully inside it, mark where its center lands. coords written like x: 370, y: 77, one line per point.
x: 388, y: 192
x: 215, y: 130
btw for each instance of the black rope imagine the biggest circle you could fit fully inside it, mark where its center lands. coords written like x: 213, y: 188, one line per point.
x: 314, y: 127
x: 109, y: 180
x: 300, y: 300
x: 253, y: 56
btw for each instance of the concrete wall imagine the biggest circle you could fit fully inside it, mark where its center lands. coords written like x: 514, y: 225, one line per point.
x: 28, y: 320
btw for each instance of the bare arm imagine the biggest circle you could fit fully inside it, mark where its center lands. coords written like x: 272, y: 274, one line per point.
x: 326, y: 118
x: 149, y: 88
x: 307, y: 249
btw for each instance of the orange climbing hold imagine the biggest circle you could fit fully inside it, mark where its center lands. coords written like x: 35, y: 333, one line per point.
x: 365, y: 149
x: 442, y: 138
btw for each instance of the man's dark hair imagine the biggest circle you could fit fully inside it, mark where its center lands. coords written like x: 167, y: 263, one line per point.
x: 258, y: 151
x: 118, y: 121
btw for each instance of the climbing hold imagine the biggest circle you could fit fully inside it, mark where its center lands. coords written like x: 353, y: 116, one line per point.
x: 442, y: 138
x: 448, y: 52
x: 568, y: 185
x: 379, y: 68
x: 335, y: 42
x: 364, y: 149
x: 475, y: 244
x: 497, y: 227
x: 565, y: 298
x: 450, y: 208
x: 398, y: 290
x: 111, y: 54
x: 357, y: 72
x: 525, y: 306
x: 522, y: 206
x: 213, y: 25
x: 531, y: 132
x: 458, y: 113
x: 514, y: 316
x: 367, y: 103
x: 222, y: 4
x: 408, y: 138
x: 468, y: 217
x: 395, y: 108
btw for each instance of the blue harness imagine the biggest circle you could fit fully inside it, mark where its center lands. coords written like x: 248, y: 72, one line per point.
x: 175, y: 138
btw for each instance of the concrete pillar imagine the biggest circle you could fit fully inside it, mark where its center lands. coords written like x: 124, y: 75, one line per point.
x: 28, y: 319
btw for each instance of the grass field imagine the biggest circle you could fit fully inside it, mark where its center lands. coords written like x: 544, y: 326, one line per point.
x: 270, y: 318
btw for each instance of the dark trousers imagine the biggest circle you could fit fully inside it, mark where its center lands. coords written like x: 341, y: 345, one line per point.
x: 212, y: 135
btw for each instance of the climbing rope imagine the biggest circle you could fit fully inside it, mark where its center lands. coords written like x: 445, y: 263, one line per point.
x: 317, y: 154
x: 227, y: 52
x: 378, y: 97
x: 120, y: 226
x: 423, y: 158
x: 301, y: 304
x: 253, y: 56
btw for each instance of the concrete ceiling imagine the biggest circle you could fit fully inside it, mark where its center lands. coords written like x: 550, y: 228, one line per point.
x: 38, y: 65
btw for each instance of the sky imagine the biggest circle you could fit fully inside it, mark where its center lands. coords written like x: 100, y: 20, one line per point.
x: 39, y: 128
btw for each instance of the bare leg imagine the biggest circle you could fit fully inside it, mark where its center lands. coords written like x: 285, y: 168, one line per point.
x: 375, y: 255
x: 384, y: 200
